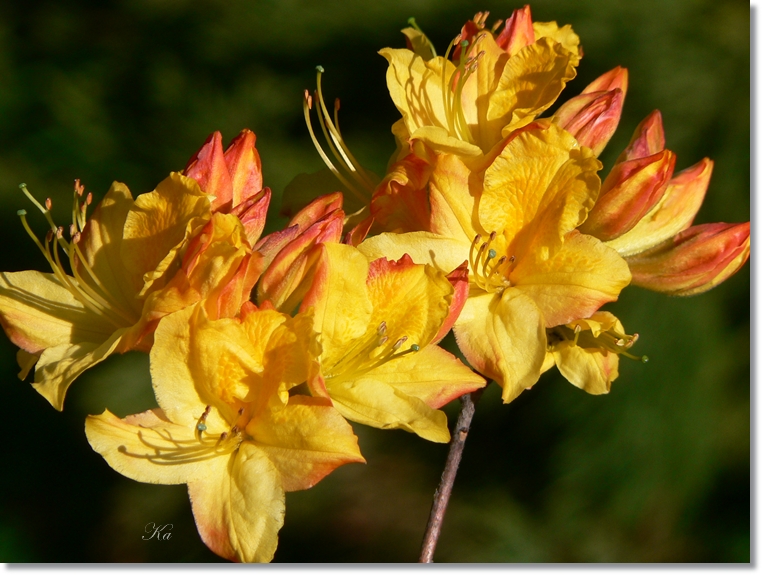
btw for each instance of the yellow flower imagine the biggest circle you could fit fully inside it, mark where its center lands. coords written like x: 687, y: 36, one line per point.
x: 530, y: 269
x: 494, y: 84
x: 68, y: 323
x: 229, y: 424
x: 379, y: 322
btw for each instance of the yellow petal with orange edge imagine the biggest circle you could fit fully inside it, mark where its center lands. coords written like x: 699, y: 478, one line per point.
x: 432, y: 374
x: 37, y: 312
x: 413, y: 300
x: 305, y: 440
x: 582, y: 276
x: 530, y: 83
x: 148, y: 447
x: 101, y: 245
x: 503, y: 337
x: 592, y: 370
x: 60, y: 365
x: 340, y: 299
x: 159, y: 222
x: 539, y: 188
x: 240, y: 505
x: 444, y: 253
x: 375, y: 403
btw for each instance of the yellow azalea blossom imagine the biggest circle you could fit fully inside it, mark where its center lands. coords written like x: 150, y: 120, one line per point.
x: 379, y: 322
x: 129, y: 268
x: 587, y: 351
x: 229, y: 424
x: 494, y: 84
x: 530, y: 269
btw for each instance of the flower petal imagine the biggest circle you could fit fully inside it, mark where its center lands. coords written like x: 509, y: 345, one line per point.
x: 444, y: 253
x: 503, y: 337
x: 305, y: 440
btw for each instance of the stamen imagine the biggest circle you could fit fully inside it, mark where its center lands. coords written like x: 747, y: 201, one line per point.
x: 399, y: 342
x: 381, y: 328
x: 414, y: 25
x: 48, y: 204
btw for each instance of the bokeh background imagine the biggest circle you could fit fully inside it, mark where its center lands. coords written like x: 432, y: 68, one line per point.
x: 658, y: 470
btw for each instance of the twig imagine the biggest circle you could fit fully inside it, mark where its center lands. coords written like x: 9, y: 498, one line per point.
x: 442, y: 494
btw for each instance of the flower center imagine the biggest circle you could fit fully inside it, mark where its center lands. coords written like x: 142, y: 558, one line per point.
x: 92, y: 294
x: 368, y: 353
x: 170, y: 451
x: 347, y: 169
x: 488, y: 271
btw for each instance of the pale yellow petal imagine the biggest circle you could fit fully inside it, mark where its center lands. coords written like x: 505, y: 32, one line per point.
x: 147, y: 447
x: 305, y: 440
x: 432, y: 374
x: 60, y: 365
x: 592, y: 370
x: 375, y: 403
x: 582, y: 276
x: 340, y: 299
x: 445, y: 254
x: 503, y: 337
x: 37, y: 312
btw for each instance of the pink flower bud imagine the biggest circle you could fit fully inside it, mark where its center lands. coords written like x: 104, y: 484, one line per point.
x: 592, y: 118
x: 630, y: 191
x: 694, y: 261
x: 647, y: 140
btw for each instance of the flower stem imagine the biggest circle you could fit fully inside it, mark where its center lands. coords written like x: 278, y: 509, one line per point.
x: 442, y: 494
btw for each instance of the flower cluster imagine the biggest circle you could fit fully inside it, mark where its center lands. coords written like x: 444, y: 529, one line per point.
x: 491, y: 221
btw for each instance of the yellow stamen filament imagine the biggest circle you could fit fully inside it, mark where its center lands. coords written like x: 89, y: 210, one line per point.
x: 487, y: 273
x: 610, y: 340
x: 101, y: 303
x: 414, y: 24
x: 333, y: 137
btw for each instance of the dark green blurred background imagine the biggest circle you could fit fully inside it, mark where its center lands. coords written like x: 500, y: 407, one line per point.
x: 658, y: 470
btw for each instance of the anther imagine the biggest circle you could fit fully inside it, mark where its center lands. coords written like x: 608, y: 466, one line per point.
x: 89, y: 198
x: 399, y: 342
x: 72, y: 230
x: 240, y: 411
x: 336, y: 105
x: 223, y: 436
x: 381, y: 328
x: 382, y: 341
x: 75, y: 238
x: 234, y: 430
x: 512, y: 259
x: 492, y: 236
x: 59, y: 233
x: 48, y: 204
x: 308, y: 99
x: 49, y: 236
x: 496, y: 25
x: 620, y: 342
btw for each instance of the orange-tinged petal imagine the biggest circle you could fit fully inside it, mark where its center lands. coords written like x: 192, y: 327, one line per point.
x: 432, y: 375
x: 503, y: 338
x: 674, y: 212
x: 647, y: 140
x: 372, y: 402
x: 244, y: 166
x: 305, y: 440
x: 339, y: 296
x: 37, y: 312
x: 459, y: 280
x: 209, y: 169
x: 616, y: 78
x: 694, y: 261
x: 592, y: 118
x: 518, y: 31
x: 157, y: 225
x: 582, y: 276
x: 629, y: 192
x: 252, y: 213
x: 239, y: 506
x: 400, y: 203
